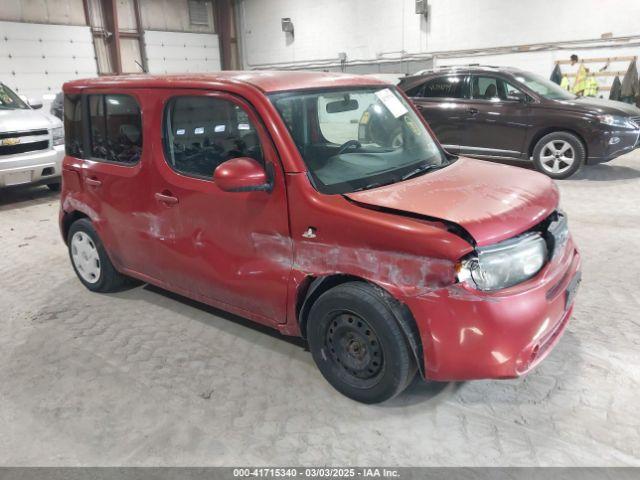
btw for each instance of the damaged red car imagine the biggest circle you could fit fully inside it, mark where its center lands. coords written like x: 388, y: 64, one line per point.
x: 321, y: 205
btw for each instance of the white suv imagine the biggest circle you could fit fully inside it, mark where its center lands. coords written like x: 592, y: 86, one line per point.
x: 31, y: 143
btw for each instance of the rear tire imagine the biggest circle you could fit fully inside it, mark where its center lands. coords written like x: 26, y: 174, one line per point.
x: 357, y: 343
x: 90, y: 260
x: 559, y: 155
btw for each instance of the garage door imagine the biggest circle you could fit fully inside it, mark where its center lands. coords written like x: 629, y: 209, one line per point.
x: 174, y: 52
x: 37, y: 59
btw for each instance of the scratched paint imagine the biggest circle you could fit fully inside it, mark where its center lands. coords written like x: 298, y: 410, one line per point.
x: 412, y: 274
x: 71, y: 204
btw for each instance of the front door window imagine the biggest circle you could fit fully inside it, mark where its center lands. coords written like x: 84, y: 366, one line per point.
x: 203, y: 132
x: 494, y: 89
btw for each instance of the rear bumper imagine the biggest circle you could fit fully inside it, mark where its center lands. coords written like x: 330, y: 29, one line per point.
x: 467, y: 334
x: 33, y: 167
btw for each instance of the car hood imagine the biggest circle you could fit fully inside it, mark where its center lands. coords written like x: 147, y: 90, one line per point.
x: 21, y: 120
x: 491, y: 202
x: 600, y: 106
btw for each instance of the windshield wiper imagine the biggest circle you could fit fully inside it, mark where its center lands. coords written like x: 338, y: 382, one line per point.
x: 375, y: 185
x: 421, y: 169
x: 406, y: 176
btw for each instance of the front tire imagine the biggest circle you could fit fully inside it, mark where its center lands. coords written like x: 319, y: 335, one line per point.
x: 559, y: 155
x: 357, y: 343
x: 90, y: 260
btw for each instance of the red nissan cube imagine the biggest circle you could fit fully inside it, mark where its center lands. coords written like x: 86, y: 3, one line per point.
x: 321, y: 205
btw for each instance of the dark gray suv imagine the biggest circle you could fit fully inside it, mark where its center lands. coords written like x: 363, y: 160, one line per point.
x: 507, y: 113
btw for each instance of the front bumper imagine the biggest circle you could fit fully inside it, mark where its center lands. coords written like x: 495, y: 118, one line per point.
x: 602, y: 150
x: 32, y: 167
x: 468, y: 334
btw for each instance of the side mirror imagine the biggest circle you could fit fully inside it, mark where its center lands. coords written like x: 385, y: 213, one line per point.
x: 35, y: 104
x: 242, y: 174
x: 518, y: 97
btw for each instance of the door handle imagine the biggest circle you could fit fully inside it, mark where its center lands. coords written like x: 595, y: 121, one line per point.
x: 473, y: 111
x: 166, y: 197
x: 94, y: 182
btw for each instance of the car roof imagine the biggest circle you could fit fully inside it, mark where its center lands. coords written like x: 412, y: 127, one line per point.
x: 471, y: 68
x: 265, y: 80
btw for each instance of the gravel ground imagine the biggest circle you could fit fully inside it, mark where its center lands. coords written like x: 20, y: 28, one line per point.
x: 145, y: 378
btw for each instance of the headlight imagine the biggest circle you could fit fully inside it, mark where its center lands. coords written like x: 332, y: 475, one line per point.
x: 504, y: 264
x: 617, y: 121
x: 58, y: 136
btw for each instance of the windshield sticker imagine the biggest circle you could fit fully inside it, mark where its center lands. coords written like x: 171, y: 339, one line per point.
x: 393, y: 104
x: 414, y: 128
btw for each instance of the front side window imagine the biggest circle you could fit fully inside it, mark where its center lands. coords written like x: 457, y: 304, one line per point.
x: 358, y: 138
x: 543, y: 87
x: 495, y: 89
x: 115, y: 128
x: 485, y: 88
x: 9, y: 100
x: 203, y: 132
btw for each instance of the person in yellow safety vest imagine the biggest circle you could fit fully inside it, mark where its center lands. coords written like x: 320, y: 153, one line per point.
x: 591, y: 88
x: 581, y: 81
x: 564, y: 83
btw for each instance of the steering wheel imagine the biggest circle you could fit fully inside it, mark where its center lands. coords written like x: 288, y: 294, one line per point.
x: 349, y: 144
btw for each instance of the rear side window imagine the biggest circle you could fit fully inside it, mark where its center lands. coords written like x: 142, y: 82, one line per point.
x: 115, y: 128
x: 445, y: 87
x: 203, y: 132
x: 73, y: 126
x: 416, y: 91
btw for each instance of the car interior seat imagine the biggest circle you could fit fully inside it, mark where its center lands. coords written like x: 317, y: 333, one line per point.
x: 491, y: 92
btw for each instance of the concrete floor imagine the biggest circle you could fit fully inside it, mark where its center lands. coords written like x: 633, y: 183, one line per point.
x: 142, y: 378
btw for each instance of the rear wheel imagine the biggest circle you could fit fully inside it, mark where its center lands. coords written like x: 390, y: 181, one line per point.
x: 559, y: 155
x: 90, y: 260
x: 357, y: 343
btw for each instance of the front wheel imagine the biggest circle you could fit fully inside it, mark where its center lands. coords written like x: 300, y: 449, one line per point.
x: 559, y: 155
x: 357, y: 343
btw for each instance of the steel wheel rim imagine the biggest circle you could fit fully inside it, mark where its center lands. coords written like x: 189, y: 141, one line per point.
x: 557, y: 156
x: 86, y: 259
x: 354, y: 349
